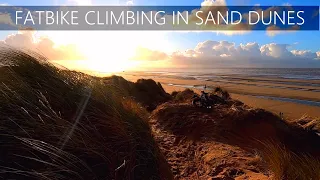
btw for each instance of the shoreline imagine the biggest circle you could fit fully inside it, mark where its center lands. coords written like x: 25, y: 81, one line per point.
x: 293, y: 103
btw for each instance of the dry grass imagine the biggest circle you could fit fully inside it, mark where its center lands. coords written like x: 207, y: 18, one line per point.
x: 183, y: 96
x: 58, y: 124
x: 284, y: 164
x: 146, y: 91
x: 222, y: 93
x: 308, y: 123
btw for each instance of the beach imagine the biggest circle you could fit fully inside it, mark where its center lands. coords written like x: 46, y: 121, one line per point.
x: 295, y: 96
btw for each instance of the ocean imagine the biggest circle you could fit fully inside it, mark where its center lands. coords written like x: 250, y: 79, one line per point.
x: 283, y: 73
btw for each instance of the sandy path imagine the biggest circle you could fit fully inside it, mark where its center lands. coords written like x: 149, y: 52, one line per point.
x: 207, y: 160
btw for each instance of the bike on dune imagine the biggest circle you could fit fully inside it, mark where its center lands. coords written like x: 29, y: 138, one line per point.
x: 202, y: 101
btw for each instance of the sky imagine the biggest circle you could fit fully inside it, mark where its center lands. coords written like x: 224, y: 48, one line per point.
x: 117, y: 51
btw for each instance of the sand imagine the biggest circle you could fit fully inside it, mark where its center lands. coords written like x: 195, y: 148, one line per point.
x: 246, y: 89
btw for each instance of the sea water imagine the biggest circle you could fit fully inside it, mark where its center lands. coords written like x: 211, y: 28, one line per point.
x: 282, y: 73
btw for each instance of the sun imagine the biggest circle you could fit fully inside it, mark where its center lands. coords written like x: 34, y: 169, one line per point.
x: 109, y: 52
x: 109, y: 60
x: 110, y: 66
x: 102, y: 62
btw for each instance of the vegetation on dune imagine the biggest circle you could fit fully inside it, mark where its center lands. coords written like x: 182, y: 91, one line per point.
x: 222, y: 93
x: 182, y: 96
x: 309, y: 124
x: 285, y: 164
x: 145, y: 91
x: 59, y: 124
x: 293, y: 153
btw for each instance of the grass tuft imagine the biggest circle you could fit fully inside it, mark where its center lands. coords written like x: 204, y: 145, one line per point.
x: 224, y: 94
x: 284, y: 164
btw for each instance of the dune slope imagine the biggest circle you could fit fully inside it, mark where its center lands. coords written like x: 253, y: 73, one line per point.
x: 58, y: 124
x: 231, y: 141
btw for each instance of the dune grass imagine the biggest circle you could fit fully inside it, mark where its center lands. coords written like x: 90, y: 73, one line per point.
x: 222, y: 92
x: 59, y: 124
x: 309, y: 123
x: 284, y: 164
x: 182, y: 96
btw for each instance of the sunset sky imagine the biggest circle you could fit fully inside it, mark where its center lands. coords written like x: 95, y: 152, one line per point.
x: 123, y: 50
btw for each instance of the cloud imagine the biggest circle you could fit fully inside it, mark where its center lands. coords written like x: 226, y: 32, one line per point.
x: 231, y: 33
x: 225, y: 49
x: 275, y: 50
x: 6, y: 19
x: 129, y: 3
x: 249, y: 49
x: 214, y: 3
x: 275, y: 30
x: 305, y: 54
x: 21, y: 40
x: 205, y: 47
x: 205, y: 54
x: 79, y: 2
x: 228, y: 54
x: 145, y: 54
x: 43, y: 45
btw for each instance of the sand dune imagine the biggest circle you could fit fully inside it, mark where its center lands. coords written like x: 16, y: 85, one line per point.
x: 225, y: 142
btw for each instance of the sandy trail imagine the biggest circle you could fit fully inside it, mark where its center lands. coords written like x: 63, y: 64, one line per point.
x: 201, y: 158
